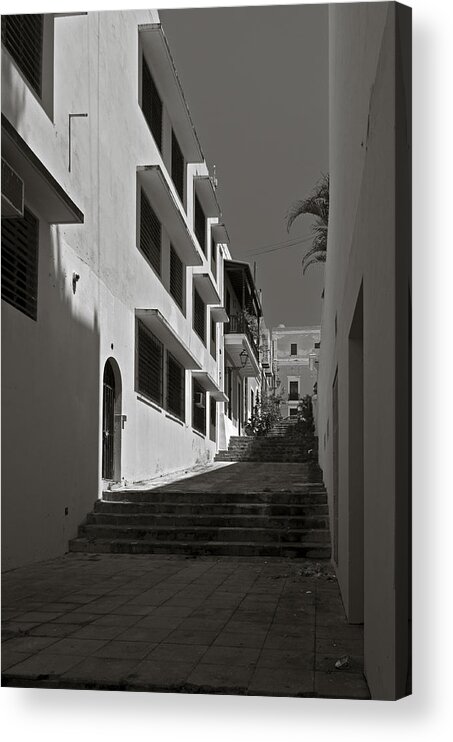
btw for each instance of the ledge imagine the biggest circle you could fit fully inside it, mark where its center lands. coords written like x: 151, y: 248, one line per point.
x: 158, y: 55
x: 42, y: 190
x: 159, y: 326
x: 153, y: 181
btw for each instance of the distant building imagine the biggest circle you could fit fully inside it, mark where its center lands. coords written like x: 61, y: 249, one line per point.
x: 294, y: 352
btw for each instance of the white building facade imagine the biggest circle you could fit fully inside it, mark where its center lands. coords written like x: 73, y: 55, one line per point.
x: 295, y: 352
x: 112, y: 311
x: 364, y: 388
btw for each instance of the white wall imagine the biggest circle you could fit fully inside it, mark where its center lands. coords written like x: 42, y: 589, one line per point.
x: 53, y: 367
x: 363, y: 251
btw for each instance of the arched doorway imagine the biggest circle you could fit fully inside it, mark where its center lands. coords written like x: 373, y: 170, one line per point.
x: 111, y: 421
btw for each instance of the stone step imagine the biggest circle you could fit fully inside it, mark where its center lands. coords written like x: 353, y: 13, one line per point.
x: 309, y: 497
x: 213, y: 548
x: 139, y: 520
x: 204, y: 533
x: 210, y: 509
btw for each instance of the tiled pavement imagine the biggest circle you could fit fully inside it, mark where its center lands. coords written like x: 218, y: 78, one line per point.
x: 208, y: 625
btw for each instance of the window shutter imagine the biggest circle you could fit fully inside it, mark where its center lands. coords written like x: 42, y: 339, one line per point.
x: 175, y: 387
x: 198, y: 409
x: 177, y: 166
x: 150, y: 234
x: 150, y: 359
x: 176, y: 277
x: 20, y: 263
x: 200, y: 224
x: 151, y: 104
x: 199, y: 316
x: 22, y: 36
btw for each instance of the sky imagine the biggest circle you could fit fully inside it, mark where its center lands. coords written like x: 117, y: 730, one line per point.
x: 256, y: 83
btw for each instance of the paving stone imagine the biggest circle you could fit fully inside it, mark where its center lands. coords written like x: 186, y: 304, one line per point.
x: 99, y: 671
x: 10, y: 657
x: 28, y: 644
x: 282, y: 681
x: 125, y: 650
x: 237, y: 656
x: 236, y: 639
x: 218, y: 678
x: 155, y: 675
x: 326, y: 663
x: 55, y: 629
x: 129, y: 609
x: 191, y: 636
x: 341, y: 685
x: 97, y: 632
x: 287, y: 658
x: 38, y: 617
x: 115, y: 619
x: 178, y: 653
x: 153, y: 635
x: 44, y: 664
x: 74, y: 646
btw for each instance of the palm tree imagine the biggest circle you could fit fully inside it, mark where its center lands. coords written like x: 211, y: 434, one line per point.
x: 316, y: 204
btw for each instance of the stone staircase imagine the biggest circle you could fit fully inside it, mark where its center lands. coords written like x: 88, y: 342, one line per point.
x: 284, y: 523
x: 280, y: 444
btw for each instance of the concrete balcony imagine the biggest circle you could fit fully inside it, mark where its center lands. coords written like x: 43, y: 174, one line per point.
x: 238, y: 338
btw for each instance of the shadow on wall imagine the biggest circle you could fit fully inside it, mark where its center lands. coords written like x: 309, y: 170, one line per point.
x: 50, y: 411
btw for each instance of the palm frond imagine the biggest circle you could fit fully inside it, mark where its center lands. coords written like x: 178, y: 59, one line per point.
x: 320, y: 253
x: 319, y: 258
x: 317, y: 205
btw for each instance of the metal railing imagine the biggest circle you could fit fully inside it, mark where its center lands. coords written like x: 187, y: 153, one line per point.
x: 239, y: 325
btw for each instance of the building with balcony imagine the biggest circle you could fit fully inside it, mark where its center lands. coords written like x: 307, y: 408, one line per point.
x: 113, y: 274
x: 294, y: 353
x: 241, y: 363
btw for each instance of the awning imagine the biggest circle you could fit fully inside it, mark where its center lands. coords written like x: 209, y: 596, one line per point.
x: 209, y: 385
x: 156, y: 322
x: 220, y: 234
x: 243, y: 284
x: 219, y: 314
x: 206, y: 287
x: 41, y: 189
x: 162, y: 200
x: 206, y: 193
x: 234, y: 345
x: 157, y: 53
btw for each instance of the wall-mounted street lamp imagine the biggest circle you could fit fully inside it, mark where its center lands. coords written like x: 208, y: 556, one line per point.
x: 244, y: 356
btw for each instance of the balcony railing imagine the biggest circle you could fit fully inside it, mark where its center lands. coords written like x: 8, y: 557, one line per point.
x: 238, y: 326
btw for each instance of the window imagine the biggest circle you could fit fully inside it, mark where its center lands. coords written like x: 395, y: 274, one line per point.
x: 177, y: 166
x: 150, y: 234
x: 149, y: 364
x: 151, y: 104
x: 176, y: 278
x: 22, y: 36
x: 292, y: 411
x: 199, y: 315
x: 20, y: 238
x: 200, y: 224
x: 213, y: 257
x: 212, y: 419
x: 198, y: 407
x: 213, y: 344
x: 294, y: 349
x: 229, y: 390
x: 175, y: 387
x: 293, y: 390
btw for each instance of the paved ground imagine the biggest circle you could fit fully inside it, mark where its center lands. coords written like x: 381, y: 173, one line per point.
x: 243, y: 476
x: 210, y: 625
